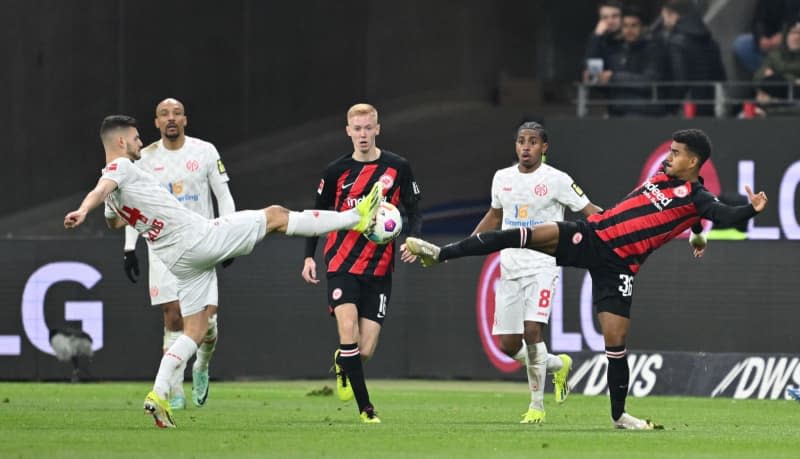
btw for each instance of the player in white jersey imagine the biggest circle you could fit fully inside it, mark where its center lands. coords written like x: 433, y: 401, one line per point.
x: 527, y: 193
x: 190, y: 169
x: 189, y: 244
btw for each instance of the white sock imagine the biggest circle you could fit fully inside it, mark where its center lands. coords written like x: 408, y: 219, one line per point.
x: 537, y: 356
x: 319, y: 222
x: 206, y: 349
x: 522, y: 355
x: 176, y: 385
x: 177, y: 354
x: 554, y: 363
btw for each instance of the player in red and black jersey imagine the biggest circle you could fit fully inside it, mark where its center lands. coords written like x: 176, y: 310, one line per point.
x: 359, y: 271
x: 613, y: 244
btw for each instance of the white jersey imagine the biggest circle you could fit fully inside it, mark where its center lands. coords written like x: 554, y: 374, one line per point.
x: 529, y: 199
x: 188, y: 173
x: 140, y: 200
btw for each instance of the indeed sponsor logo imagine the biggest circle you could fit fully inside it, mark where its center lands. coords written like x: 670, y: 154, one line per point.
x: 517, y: 223
x: 349, y: 203
x: 655, y: 195
x: 643, y: 374
x: 760, y: 377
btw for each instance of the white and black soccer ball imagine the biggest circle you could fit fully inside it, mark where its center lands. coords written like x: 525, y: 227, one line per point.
x: 388, y: 224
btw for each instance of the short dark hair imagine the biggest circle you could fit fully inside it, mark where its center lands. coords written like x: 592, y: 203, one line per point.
x: 112, y: 122
x: 682, y: 7
x: 610, y: 3
x: 696, y: 141
x: 534, y: 126
x: 634, y: 11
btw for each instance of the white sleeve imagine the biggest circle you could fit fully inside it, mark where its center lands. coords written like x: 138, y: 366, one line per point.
x: 571, y: 195
x: 108, y: 212
x: 130, y: 238
x: 118, y: 171
x: 216, y: 172
x: 222, y: 193
x: 496, y: 204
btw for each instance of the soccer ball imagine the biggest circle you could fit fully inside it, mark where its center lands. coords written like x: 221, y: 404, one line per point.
x: 388, y: 224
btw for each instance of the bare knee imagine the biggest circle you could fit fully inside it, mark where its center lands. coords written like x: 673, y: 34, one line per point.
x: 615, y: 328
x: 534, y: 332
x: 510, y: 344
x: 348, y: 331
x: 172, y: 316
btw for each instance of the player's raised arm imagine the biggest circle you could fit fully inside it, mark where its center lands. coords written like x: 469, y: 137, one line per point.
x: 758, y: 201
x: 490, y: 221
x: 93, y: 199
x: 710, y: 207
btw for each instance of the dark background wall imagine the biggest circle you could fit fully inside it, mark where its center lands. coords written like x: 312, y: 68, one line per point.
x: 247, y: 68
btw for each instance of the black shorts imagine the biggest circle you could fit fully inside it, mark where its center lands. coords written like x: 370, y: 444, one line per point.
x: 370, y: 294
x: 612, y: 281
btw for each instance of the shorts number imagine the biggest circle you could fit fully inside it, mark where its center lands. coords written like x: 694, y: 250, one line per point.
x: 382, y: 306
x: 544, y: 298
x: 626, y: 288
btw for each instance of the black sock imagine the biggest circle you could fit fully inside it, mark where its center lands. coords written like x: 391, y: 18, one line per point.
x: 350, y: 360
x: 485, y: 243
x: 617, y: 375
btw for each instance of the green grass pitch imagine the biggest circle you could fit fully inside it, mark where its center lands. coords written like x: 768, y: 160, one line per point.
x: 420, y: 419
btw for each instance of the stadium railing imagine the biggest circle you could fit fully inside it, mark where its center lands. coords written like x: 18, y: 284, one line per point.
x: 726, y: 94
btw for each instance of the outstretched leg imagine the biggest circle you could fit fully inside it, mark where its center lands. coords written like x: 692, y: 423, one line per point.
x: 542, y: 238
x: 360, y: 218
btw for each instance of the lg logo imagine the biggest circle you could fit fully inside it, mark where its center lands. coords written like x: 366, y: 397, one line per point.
x: 89, y: 313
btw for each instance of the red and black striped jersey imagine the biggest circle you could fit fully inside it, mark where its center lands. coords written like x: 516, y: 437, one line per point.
x: 344, y: 183
x: 654, y: 213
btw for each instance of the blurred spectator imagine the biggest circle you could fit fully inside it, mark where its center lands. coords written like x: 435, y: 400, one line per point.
x: 765, y: 35
x: 693, y: 54
x: 638, y: 60
x: 607, y: 35
x: 781, y: 65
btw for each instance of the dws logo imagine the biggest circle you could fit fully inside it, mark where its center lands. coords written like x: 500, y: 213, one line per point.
x: 89, y: 313
x: 760, y: 377
x: 590, y: 377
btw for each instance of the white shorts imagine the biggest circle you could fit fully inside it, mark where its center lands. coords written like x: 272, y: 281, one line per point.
x: 163, y: 285
x: 524, y: 299
x: 228, y: 237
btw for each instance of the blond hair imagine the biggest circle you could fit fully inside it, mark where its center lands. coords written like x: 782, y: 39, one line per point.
x: 362, y: 109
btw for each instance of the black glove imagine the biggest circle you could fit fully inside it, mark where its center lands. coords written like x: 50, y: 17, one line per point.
x: 228, y: 262
x: 131, y: 265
